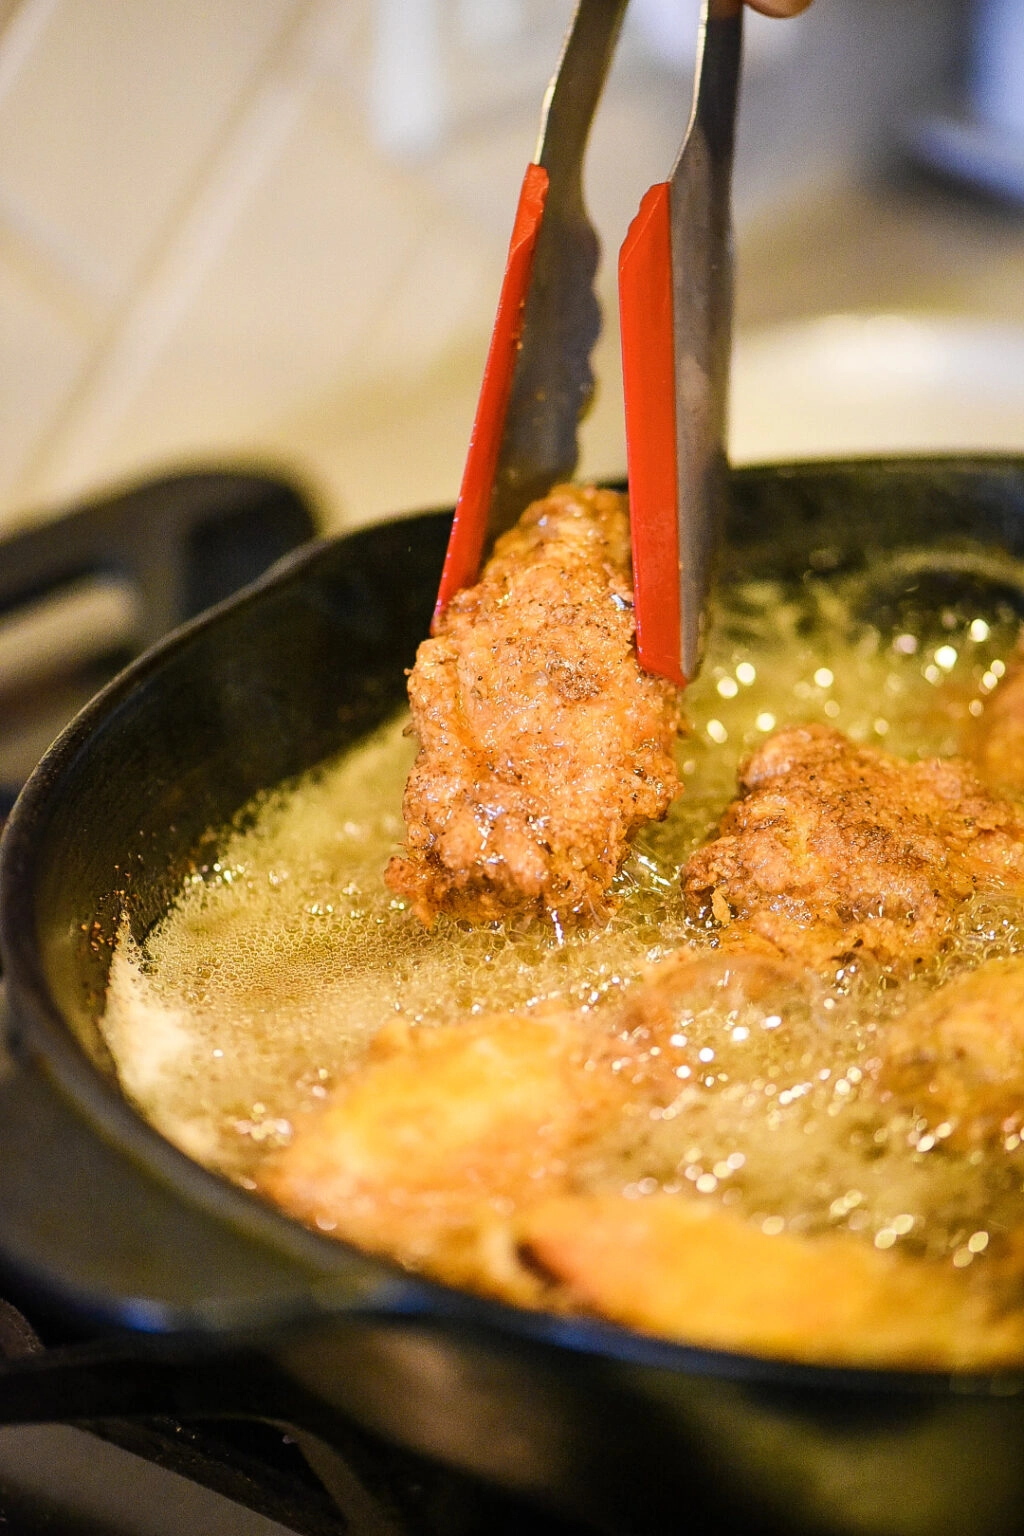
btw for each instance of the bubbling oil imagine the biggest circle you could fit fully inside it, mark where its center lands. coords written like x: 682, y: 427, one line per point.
x: 279, y: 961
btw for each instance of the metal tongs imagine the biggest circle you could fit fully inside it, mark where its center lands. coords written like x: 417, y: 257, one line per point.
x: 675, y: 284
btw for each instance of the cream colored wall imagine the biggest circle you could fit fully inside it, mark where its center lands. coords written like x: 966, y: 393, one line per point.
x: 265, y: 230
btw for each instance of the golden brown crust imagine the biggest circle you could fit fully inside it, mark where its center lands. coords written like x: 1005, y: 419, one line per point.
x: 835, y: 848
x: 995, y: 742
x: 957, y: 1056
x: 704, y: 1276
x: 437, y: 1140
x: 462, y: 1150
x: 441, y: 1132
x: 543, y: 746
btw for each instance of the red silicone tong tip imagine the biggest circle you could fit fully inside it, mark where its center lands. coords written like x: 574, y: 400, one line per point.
x: 469, y: 530
x: 649, y: 387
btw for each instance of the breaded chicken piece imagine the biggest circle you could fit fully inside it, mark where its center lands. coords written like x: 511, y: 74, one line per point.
x: 958, y: 1055
x: 664, y: 1019
x: 995, y: 742
x: 702, y: 1275
x: 543, y: 745
x: 425, y: 1150
x: 467, y: 1151
x: 440, y: 1135
x: 835, y: 848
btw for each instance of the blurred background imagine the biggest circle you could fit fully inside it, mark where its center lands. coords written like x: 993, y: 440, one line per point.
x: 273, y: 232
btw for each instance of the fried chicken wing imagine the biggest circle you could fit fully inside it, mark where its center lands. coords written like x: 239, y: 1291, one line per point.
x: 995, y: 742
x: 440, y: 1132
x: 699, y: 1274
x: 958, y: 1055
x: 543, y: 746
x: 835, y: 848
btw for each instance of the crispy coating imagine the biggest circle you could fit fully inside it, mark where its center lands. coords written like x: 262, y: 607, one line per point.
x: 441, y: 1135
x: 995, y: 743
x: 466, y: 1151
x: 434, y: 1139
x: 543, y: 746
x: 704, y: 1276
x: 835, y: 848
x: 957, y: 1056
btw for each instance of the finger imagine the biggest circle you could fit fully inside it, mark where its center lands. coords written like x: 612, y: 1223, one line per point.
x: 779, y: 7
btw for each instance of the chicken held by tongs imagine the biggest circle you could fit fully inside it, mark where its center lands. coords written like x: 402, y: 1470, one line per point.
x: 545, y: 720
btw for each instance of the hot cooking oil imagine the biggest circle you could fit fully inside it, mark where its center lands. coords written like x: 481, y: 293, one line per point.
x: 280, y: 960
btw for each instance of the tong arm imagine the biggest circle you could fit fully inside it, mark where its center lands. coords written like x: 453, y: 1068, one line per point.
x: 675, y: 294
x: 537, y: 378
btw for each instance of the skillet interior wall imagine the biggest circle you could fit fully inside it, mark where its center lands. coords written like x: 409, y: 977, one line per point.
x: 283, y: 678
x: 291, y: 673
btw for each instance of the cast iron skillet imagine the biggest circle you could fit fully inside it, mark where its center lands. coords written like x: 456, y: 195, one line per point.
x: 216, y: 1303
